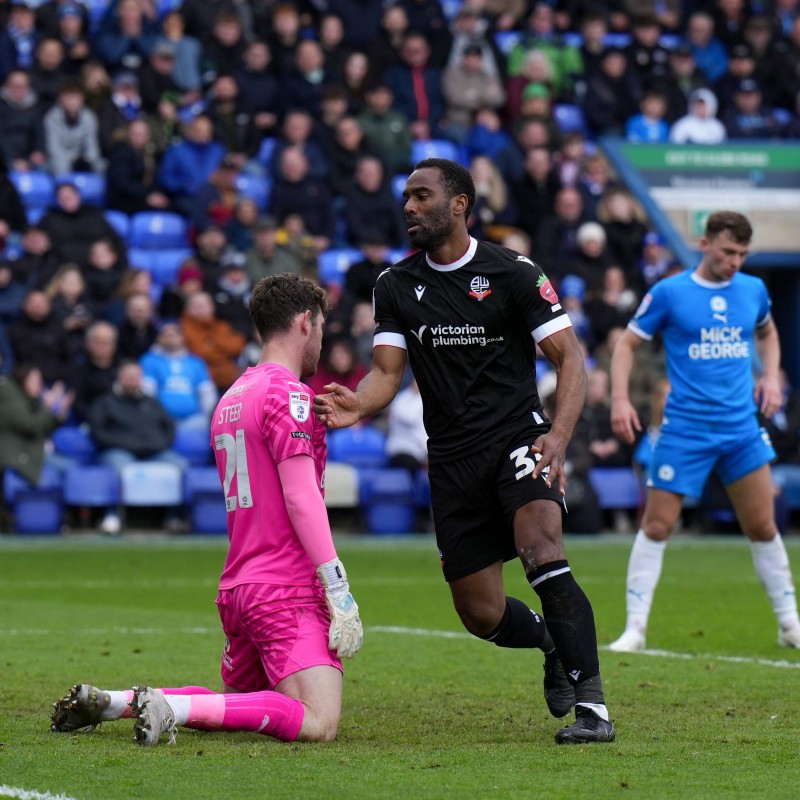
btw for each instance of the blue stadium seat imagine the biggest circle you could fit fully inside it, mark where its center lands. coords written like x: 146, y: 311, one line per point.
x: 391, y: 504
x: 398, y: 185
x: 91, y: 186
x: 616, y: 487
x: 506, y: 41
x: 256, y: 188
x: 119, y: 221
x: 35, y: 508
x: 570, y: 119
x: 36, y: 190
x: 151, y: 483
x: 165, y: 264
x: 265, y: 152
x: 359, y: 447
x: 74, y: 443
x: 422, y: 489
x: 435, y: 148
x: 334, y: 263
x: 156, y: 230
x: 203, y: 495
x: 93, y: 486
x: 194, y: 445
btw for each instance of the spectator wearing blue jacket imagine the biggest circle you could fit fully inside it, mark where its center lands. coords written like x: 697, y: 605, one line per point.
x: 649, y: 126
x: 178, y: 379
x: 188, y: 164
x: 709, y: 53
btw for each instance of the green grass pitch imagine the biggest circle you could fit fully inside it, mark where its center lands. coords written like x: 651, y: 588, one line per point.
x: 428, y: 711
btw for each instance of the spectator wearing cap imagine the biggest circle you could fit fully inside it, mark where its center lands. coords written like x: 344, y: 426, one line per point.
x: 178, y: 379
x: 359, y: 280
x: 126, y: 37
x: 22, y: 141
x: 265, y: 256
x: 231, y: 292
x: 70, y: 25
x: 537, y: 103
x: 71, y: 134
x: 131, y: 174
x: 656, y: 260
x: 591, y: 258
x: 50, y: 12
x: 19, y: 38
x: 750, y: 117
x: 187, y: 49
x: 155, y: 76
x: 386, y: 129
x: 536, y: 68
x: 708, y: 51
x: 370, y: 205
x: 211, y: 338
x: 649, y: 125
x: 187, y: 165
x: 610, y: 94
x: 121, y: 106
x: 700, y: 125
x: 173, y: 298
x: 682, y: 78
x: 741, y: 65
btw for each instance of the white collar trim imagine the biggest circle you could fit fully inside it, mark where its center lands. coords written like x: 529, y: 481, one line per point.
x: 465, y: 259
x: 709, y: 284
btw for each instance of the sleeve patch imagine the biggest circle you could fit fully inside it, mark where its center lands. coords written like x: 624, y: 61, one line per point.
x: 300, y: 405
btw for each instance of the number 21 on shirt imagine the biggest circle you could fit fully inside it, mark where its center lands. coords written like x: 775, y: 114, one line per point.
x: 235, y: 464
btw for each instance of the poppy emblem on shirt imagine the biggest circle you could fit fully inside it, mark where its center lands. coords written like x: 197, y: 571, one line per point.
x: 546, y: 290
x: 300, y: 405
x: 479, y: 288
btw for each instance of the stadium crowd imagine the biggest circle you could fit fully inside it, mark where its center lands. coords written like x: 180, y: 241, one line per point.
x: 278, y: 133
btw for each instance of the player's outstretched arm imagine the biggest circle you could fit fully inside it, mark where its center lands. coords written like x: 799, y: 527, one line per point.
x: 340, y: 407
x: 309, y: 517
x: 624, y: 419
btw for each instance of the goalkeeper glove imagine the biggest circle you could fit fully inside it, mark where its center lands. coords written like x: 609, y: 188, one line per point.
x: 346, y: 633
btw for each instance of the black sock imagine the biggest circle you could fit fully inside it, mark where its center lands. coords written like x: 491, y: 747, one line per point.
x: 520, y: 627
x: 571, y: 624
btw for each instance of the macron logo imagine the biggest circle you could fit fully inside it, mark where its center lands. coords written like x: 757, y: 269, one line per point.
x: 419, y: 291
x: 419, y: 333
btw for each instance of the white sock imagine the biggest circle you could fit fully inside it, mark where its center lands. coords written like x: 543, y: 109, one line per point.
x: 180, y: 705
x: 772, y: 567
x: 117, y: 707
x: 644, y: 570
x: 598, y: 709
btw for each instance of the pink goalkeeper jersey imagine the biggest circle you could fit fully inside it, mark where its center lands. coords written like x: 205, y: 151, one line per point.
x: 264, y: 418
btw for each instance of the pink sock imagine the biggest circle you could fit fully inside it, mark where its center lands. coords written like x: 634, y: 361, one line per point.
x: 184, y: 690
x: 270, y: 713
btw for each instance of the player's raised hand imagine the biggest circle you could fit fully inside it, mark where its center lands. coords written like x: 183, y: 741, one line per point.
x: 624, y: 420
x: 338, y: 407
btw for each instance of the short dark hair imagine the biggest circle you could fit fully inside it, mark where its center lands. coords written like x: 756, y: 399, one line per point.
x: 456, y: 179
x: 736, y: 224
x: 277, y: 299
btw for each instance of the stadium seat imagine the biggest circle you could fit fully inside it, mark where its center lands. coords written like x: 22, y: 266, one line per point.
x: 93, y: 486
x: 334, y: 263
x: 506, y: 41
x: 787, y: 476
x: 265, y: 151
x: 570, y: 119
x: 422, y: 489
x: 398, y: 254
x: 341, y: 486
x: 35, y: 508
x: 165, y: 264
x: 616, y: 487
x: 156, y: 230
x: 398, y: 186
x: 151, y: 483
x: 194, y: 445
x: 91, y: 186
x: 434, y: 148
x: 359, y: 447
x: 204, y: 498
x: 256, y: 188
x: 119, y: 221
x: 36, y: 190
x: 391, y: 507
x: 74, y: 443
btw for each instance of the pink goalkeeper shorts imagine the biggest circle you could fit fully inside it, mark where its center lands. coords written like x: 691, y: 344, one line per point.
x: 272, y: 632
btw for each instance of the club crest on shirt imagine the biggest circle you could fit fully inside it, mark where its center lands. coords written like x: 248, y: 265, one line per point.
x: 479, y: 288
x: 300, y: 405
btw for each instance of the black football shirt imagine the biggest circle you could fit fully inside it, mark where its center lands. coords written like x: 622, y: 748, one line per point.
x: 470, y: 330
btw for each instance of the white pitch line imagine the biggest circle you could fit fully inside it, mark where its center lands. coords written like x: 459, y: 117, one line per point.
x: 29, y: 794
x: 402, y: 631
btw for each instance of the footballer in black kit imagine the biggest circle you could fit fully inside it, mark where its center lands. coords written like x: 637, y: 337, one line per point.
x: 470, y: 330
